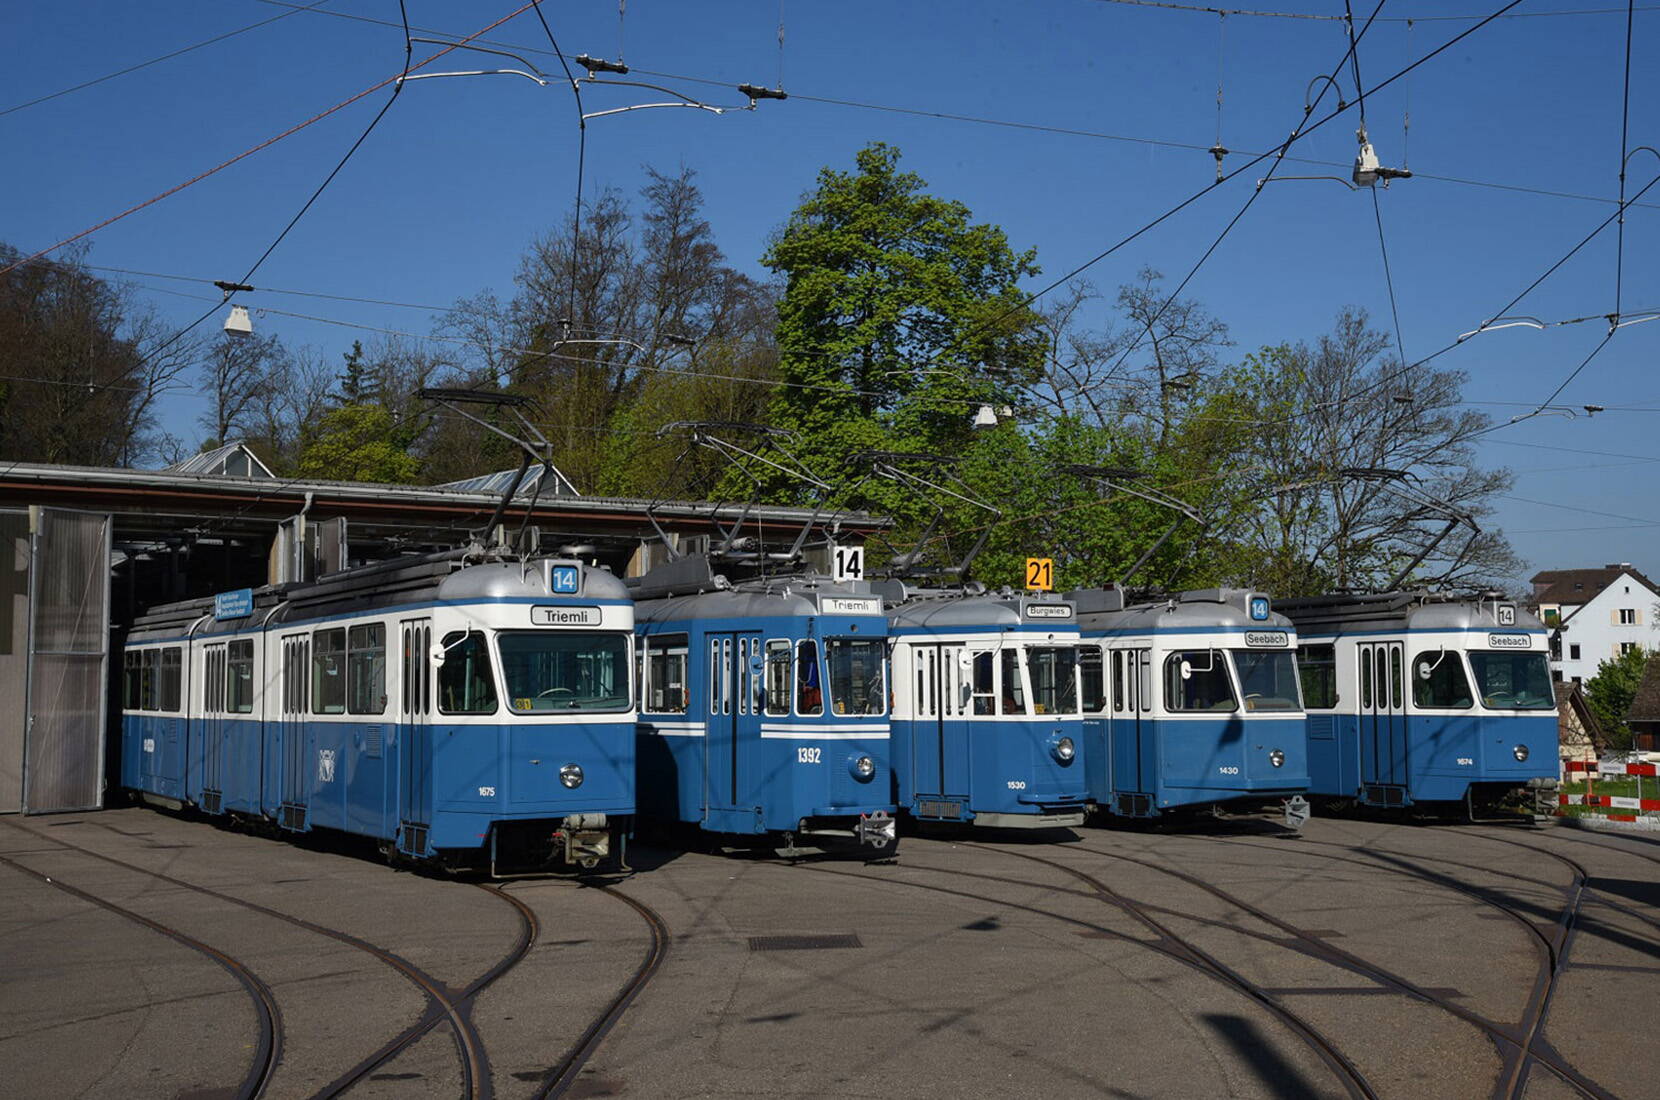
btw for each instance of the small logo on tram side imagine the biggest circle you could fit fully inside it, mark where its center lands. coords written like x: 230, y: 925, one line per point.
x: 1048, y: 611
x: 842, y: 605
x: 1266, y: 639
x: 1510, y: 641
x: 325, y: 765
x: 543, y: 615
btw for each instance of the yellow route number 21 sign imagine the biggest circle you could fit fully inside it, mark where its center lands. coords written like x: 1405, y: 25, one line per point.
x: 1040, y: 574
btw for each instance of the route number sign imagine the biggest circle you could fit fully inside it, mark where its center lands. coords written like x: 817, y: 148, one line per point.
x: 1040, y: 574
x: 847, y: 563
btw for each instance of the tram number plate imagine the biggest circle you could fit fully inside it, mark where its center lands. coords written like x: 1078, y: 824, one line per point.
x: 809, y: 756
x: 1228, y: 769
x: 1040, y: 574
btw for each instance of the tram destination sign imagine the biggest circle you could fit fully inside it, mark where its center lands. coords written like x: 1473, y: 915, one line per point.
x: 1509, y: 641
x: 233, y: 605
x: 1048, y: 611
x: 844, y: 605
x: 543, y: 615
x: 1266, y: 639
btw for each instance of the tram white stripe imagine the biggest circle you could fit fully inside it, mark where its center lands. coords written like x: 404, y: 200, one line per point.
x: 821, y: 733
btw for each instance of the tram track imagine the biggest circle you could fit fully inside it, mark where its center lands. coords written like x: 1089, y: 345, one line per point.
x: 268, y: 1017
x: 1166, y: 942
x: 440, y: 1003
x: 558, y: 1080
x: 1515, y: 1045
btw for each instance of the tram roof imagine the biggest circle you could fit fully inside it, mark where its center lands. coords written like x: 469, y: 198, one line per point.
x: 1407, y: 611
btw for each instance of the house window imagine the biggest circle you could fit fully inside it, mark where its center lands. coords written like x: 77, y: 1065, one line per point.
x: 1579, y: 679
x: 1628, y: 616
x: 1573, y: 653
x: 1626, y: 647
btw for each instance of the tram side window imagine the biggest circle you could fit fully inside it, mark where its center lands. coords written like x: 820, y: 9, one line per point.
x: 1205, y: 687
x: 985, y: 689
x: 239, y: 677
x: 1014, y: 692
x: 666, y: 692
x: 1438, y: 680
x: 465, y: 684
x: 778, y: 676
x: 1318, y: 665
x: 151, y: 692
x: 809, y: 688
x: 172, y: 679
x: 366, y: 669
x: 132, y: 678
x: 1092, y: 679
x: 328, y: 671
x: 1118, y: 694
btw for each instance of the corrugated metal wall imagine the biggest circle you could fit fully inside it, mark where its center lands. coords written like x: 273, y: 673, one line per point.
x: 14, y: 655
x: 69, y: 654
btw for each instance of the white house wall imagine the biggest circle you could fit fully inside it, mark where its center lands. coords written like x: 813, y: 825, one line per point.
x: 1595, y: 632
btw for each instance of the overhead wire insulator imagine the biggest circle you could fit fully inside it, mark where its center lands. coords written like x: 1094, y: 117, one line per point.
x: 757, y: 91
x: 600, y: 65
x: 1218, y: 151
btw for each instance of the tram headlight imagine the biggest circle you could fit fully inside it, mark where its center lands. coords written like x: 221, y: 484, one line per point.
x: 1064, y: 750
x: 1520, y: 753
x: 1277, y: 758
x: 862, y: 767
x: 571, y: 775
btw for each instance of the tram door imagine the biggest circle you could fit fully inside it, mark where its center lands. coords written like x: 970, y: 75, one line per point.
x: 736, y: 670
x: 941, y: 701
x: 290, y: 744
x: 413, y: 737
x: 1382, y: 715
x: 1134, y: 750
x: 211, y: 761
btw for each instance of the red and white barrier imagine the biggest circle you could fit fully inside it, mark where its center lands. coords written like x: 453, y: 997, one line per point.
x: 1611, y: 767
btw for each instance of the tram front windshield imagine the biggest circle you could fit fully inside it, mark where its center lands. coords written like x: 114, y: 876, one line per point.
x: 1268, y: 678
x: 547, y: 672
x: 857, y: 685
x: 1512, y: 681
x: 1054, y: 674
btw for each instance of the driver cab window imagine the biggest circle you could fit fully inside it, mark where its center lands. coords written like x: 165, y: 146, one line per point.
x: 1198, y: 680
x: 1438, y: 680
x: 466, y: 684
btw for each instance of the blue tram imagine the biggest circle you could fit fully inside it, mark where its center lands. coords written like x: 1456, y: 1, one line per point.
x: 458, y: 708
x: 1419, y: 698
x: 986, y: 725
x: 763, y: 708
x: 1190, y: 701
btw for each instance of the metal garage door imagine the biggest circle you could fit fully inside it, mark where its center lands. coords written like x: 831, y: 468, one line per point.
x: 69, y: 597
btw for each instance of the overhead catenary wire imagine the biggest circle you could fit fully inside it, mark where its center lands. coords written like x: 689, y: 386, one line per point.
x: 1169, y: 5
x: 1016, y: 124
x: 180, y: 52
x: 408, y: 48
x: 267, y: 143
x: 1625, y: 152
x: 1302, y: 127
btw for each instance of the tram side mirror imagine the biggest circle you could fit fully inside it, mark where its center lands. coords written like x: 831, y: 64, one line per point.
x: 438, y: 652
x: 1187, y: 670
x: 1425, y: 669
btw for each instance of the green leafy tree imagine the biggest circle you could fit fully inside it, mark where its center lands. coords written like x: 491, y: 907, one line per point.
x: 1611, y: 690
x: 359, y: 443
x: 899, y: 316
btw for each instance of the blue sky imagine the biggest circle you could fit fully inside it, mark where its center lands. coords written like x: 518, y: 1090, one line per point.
x: 441, y: 200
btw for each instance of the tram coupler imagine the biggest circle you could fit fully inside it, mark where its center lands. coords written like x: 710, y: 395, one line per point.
x: 586, y: 839
x: 1546, y: 804
x: 878, y: 829
x: 1296, y: 813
